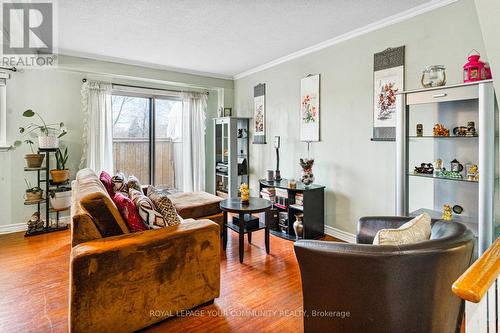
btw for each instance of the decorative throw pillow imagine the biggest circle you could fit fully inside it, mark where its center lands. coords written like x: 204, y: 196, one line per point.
x: 134, y: 183
x: 129, y: 212
x: 119, y: 183
x: 146, y: 209
x: 106, y: 180
x: 413, y: 231
x: 163, y: 205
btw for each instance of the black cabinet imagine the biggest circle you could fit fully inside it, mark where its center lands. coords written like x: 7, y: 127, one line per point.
x: 312, y: 208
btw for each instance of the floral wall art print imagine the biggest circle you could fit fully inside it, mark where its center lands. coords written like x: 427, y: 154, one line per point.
x: 309, y: 108
x: 259, y: 93
x: 388, y: 80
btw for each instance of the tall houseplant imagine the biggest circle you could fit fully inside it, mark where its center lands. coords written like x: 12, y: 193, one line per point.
x: 48, y: 134
x: 61, y: 173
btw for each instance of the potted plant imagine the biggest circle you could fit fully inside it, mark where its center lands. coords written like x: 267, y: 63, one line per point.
x: 60, y: 198
x: 32, y: 193
x: 33, y: 160
x: 61, y: 174
x: 49, y: 134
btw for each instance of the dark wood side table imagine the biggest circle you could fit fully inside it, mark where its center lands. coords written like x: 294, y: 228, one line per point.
x: 234, y: 205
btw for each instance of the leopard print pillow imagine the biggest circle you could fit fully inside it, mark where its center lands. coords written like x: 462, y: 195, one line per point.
x: 163, y: 205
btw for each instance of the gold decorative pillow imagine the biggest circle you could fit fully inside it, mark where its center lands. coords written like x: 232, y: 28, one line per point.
x: 413, y: 231
x: 163, y: 205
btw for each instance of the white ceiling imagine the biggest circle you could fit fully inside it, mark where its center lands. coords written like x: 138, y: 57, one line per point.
x: 216, y: 37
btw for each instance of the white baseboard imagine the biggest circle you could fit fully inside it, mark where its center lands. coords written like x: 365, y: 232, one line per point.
x: 17, y: 227
x: 340, y: 234
x: 10, y: 228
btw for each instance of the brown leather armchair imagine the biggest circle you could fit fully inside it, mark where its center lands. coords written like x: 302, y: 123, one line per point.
x: 369, y: 288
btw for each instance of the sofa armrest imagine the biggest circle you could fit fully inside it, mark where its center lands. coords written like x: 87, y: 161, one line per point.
x: 117, y: 283
x: 368, y: 226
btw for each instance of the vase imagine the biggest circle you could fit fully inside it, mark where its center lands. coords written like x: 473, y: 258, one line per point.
x: 307, y: 177
x: 59, y: 176
x: 298, y: 227
x: 48, y: 142
x: 61, y: 199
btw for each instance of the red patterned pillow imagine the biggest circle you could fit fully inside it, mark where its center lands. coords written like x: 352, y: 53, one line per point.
x: 128, y: 210
x: 106, y: 180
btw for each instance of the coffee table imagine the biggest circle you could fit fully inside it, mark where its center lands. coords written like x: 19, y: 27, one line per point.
x: 234, y: 205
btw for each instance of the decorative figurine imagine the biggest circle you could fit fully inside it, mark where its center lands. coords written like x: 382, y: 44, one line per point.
x: 460, y: 131
x: 420, y: 130
x: 245, y: 193
x: 292, y: 184
x: 425, y: 168
x: 456, y: 166
x: 307, y: 175
x: 472, y: 172
x: 457, y: 209
x: 440, y: 130
x: 447, y: 214
x: 298, y: 227
x: 451, y: 174
x: 471, y: 129
x: 35, y: 222
x: 438, y: 168
x: 242, y: 133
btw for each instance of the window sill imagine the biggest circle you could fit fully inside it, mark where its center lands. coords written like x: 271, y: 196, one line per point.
x: 5, y: 148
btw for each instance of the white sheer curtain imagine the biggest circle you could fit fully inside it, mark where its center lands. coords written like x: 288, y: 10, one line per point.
x: 194, y: 106
x: 98, y: 127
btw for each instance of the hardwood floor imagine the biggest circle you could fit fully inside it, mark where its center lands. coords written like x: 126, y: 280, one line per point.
x: 261, y: 295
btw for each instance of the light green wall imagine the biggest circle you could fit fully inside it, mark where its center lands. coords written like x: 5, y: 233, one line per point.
x: 56, y: 94
x: 358, y: 173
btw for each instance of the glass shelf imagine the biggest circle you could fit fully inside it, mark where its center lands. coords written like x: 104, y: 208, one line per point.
x: 441, y: 178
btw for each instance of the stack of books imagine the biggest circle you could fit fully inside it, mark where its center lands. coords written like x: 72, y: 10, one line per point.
x: 268, y: 193
x: 281, y: 198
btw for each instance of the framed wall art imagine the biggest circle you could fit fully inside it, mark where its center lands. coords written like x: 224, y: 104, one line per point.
x: 388, y: 79
x: 309, y: 108
x: 259, y: 93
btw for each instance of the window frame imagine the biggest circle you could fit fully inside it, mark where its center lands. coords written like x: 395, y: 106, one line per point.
x: 141, y: 93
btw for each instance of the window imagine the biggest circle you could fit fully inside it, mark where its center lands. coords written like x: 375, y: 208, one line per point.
x: 147, y: 138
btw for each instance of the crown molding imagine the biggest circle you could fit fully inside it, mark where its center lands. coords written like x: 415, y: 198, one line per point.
x: 403, y: 16
x: 92, y: 56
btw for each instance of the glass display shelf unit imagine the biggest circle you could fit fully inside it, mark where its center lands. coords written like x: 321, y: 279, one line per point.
x: 231, y: 155
x: 470, y: 104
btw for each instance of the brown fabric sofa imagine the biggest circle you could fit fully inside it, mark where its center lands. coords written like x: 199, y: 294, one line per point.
x: 129, y: 281
x: 369, y: 288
